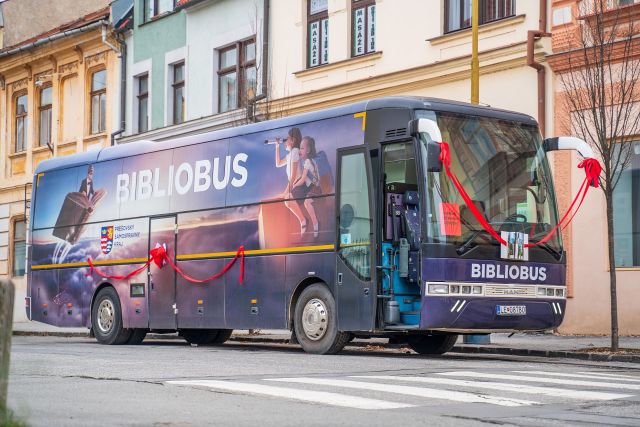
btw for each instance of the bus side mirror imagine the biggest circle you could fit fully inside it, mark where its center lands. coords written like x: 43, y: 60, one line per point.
x: 568, y: 143
x: 428, y: 132
x: 434, y: 164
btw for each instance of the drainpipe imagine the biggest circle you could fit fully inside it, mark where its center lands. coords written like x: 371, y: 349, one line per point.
x: 123, y: 89
x: 265, y: 48
x: 105, y: 39
x: 532, y: 37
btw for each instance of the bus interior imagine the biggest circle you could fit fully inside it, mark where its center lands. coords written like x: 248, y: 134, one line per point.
x: 400, y: 265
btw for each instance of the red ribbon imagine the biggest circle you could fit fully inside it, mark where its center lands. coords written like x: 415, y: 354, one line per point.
x: 592, y: 171
x: 159, y: 256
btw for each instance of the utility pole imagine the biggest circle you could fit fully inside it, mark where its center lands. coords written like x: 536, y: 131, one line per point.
x: 475, y: 99
x: 475, y: 63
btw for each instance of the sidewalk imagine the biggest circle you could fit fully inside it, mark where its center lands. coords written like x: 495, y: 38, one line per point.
x: 520, y: 344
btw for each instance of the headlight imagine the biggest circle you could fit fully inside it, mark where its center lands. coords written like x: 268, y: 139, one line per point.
x: 559, y: 292
x: 438, y: 289
x: 466, y: 289
x: 477, y: 290
x: 542, y: 292
x: 454, y: 289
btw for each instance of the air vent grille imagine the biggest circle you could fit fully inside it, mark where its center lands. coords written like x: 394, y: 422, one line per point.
x: 394, y: 133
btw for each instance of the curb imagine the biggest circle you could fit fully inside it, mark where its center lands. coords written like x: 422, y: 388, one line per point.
x: 471, y: 349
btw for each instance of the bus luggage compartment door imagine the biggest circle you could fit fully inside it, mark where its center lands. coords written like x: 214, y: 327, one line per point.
x: 162, y: 281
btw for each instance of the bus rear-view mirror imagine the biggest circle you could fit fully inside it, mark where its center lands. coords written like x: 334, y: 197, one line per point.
x: 568, y: 143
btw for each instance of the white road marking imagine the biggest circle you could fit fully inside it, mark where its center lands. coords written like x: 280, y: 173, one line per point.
x: 587, y: 375
x: 556, y: 392
x: 430, y: 393
x: 613, y: 376
x: 323, y: 397
x: 541, y: 380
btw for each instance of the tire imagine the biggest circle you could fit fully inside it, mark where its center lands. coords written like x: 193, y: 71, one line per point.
x: 315, y: 322
x: 432, y: 344
x: 137, y: 336
x: 106, y: 318
x: 222, y: 337
x: 199, y: 336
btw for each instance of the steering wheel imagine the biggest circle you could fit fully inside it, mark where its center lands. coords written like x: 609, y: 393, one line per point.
x: 516, y: 216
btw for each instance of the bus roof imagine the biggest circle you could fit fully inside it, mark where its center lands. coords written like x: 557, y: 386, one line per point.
x: 406, y: 102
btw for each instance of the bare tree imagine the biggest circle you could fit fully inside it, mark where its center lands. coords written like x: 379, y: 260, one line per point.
x: 601, y: 87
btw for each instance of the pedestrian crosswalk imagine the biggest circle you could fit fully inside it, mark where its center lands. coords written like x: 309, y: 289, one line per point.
x: 374, y: 392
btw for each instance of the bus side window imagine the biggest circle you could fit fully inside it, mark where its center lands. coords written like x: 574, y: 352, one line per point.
x: 355, y: 217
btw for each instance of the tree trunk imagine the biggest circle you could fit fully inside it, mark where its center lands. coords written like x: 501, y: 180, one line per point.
x: 612, y: 272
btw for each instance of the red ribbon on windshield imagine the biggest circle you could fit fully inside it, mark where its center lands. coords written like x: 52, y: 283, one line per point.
x: 159, y: 256
x: 592, y: 171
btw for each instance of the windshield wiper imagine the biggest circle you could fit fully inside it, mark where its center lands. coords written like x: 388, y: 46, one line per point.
x: 545, y: 246
x: 466, y: 245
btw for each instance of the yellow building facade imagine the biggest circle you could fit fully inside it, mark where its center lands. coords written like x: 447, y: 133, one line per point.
x: 58, y: 96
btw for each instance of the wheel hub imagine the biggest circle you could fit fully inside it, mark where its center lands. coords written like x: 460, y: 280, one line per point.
x: 315, y: 319
x: 106, y: 315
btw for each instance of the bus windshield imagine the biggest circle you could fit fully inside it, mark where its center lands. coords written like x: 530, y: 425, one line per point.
x: 503, y: 168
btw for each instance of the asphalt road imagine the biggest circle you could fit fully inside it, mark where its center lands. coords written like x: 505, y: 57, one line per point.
x: 75, y: 381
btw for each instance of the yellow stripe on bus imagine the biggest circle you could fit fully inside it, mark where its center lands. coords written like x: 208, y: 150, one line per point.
x: 187, y: 256
x: 86, y: 264
x: 257, y: 252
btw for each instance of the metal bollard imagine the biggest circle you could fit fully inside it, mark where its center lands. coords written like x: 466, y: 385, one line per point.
x: 6, y: 326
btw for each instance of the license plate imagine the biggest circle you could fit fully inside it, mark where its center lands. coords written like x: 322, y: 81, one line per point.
x: 511, y: 310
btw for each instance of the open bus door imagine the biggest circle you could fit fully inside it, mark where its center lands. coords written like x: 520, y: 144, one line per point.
x: 162, y: 281
x: 355, y: 269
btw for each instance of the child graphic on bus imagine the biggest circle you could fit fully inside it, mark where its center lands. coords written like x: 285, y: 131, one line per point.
x: 307, y: 181
x: 292, y: 162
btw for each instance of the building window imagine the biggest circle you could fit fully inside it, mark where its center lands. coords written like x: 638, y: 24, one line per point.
x: 626, y: 212
x: 98, y: 101
x: 44, y: 123
x: 364, y: 27
x: 143, y: 103
x: 178, y: 93
x: 154, y: 8
x: 19, y: 246
x: 318, y: 33
x: 238, y: 75
x: 458, y: 12
x: 21, y: 110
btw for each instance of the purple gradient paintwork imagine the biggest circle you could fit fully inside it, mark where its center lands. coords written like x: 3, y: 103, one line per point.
x: 260, y: 220
x: 480, y: 313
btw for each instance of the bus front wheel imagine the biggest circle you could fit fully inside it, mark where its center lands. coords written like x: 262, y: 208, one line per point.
x: 432, y: 344
x: 106, y: 318
x: 315, y: 322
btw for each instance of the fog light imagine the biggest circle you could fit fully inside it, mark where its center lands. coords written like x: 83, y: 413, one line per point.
x: 438, y: 289
x: 477, y: 290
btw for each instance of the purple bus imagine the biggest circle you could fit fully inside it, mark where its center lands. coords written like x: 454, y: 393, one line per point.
x: 350, y: 227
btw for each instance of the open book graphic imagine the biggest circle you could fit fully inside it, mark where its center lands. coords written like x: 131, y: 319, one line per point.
x: 75, y: 212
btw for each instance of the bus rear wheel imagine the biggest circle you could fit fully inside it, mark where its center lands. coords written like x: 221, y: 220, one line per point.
x: 222, y: 337
x: 315, y: 322
x: 432, y: 344
x: 137, y: 336
x: 106, y: 318
x: 198, y: 336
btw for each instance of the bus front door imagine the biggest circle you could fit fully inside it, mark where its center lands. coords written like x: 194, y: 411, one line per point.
x: 356, y: 295
x: 162, y: 281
